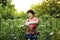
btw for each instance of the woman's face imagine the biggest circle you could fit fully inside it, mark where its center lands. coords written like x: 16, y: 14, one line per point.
x: 30, y: 15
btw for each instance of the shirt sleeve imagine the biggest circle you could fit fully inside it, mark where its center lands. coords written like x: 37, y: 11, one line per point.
x: 36, y: 20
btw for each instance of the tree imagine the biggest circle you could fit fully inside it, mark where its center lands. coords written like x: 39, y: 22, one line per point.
x: 7, y: 10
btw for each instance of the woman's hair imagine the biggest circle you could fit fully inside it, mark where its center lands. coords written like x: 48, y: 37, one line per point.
x: 30, y: 11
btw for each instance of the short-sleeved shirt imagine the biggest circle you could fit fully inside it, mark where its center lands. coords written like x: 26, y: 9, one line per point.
x: 32, y: 27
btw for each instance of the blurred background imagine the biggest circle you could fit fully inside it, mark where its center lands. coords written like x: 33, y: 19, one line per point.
x: 13, y: 15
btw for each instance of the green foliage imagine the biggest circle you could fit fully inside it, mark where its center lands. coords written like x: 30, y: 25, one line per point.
x: 21, y: 14
x: 11, y: 29
x: 7, y: 11
x: 11, y: 22
x: 50, y: 7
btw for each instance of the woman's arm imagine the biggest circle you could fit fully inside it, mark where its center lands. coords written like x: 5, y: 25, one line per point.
x: 36, y: 21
